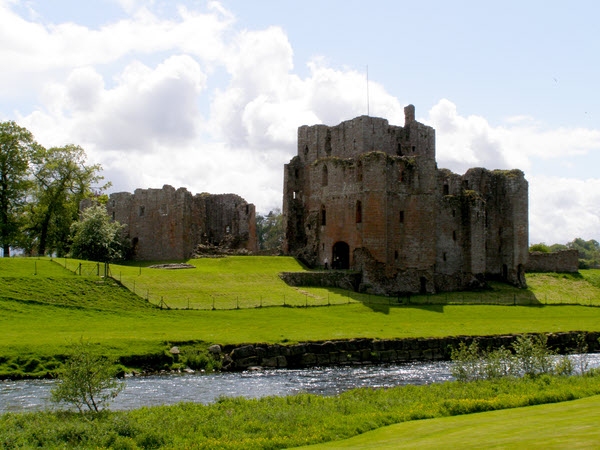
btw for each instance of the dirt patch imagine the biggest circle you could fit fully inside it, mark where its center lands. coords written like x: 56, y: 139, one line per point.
x: 172, y: 266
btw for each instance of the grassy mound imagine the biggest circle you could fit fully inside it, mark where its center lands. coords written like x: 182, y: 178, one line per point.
x: 45, y: 306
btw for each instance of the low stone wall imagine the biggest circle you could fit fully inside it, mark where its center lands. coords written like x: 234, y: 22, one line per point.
x: 365, y: 351
x: 561, y: 261
x: 329, y: 278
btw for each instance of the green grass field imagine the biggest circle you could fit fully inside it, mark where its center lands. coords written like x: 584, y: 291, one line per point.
x: 572, y: 424
x: 250, y: 281
x: 44, y: 307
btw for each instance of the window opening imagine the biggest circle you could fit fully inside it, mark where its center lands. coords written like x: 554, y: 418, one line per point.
x: 358, y: 211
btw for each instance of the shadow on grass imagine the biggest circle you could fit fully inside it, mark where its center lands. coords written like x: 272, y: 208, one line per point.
x: 499, y: 294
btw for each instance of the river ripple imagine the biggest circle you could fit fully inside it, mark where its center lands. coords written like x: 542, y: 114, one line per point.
x: 33, y: 395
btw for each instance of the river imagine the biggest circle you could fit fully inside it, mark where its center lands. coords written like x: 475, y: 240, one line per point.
x: 33, y: 395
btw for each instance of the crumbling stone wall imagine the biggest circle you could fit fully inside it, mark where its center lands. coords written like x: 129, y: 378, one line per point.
x: 368, y: 196
x: 169, y: 223
x: 561, y: 261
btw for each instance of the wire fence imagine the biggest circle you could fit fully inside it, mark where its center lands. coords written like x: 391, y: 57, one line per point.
x: 300, y: 297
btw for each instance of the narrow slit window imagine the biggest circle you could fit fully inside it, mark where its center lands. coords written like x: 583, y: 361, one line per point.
x: 358, y: 211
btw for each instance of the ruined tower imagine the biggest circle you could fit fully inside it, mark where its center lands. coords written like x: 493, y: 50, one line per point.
x: 368, y: 196
x: 169, y: 223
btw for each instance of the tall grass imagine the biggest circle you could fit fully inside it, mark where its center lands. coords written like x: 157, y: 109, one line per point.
x: 282, y: 422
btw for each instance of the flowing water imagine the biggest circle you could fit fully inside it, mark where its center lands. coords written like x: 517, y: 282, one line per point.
x: 33, y: 395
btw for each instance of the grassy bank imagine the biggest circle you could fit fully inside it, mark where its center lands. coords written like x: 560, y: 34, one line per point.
x: 282, y: 422
x: 549, y: 426
x: 44, y: 307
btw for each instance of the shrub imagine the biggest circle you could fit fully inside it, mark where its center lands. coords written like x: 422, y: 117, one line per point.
x: 531, y: 357
x: 86, y: 380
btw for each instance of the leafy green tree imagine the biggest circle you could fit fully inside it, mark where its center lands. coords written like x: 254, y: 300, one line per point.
x: 87, y: 379
x: 589, y: 252
x: 541, y: 247
x: 62, y: 180
x: 95, y: 237
x: 269, y: 229
x: 16, y: 149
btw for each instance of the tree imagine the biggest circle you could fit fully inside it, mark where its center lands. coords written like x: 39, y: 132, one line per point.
x: 17, y: 147
x: 541, y: 247
x: 589, y: 252
x: 269, y: 229
x: 87, y: 379
x: 95, y: 237
x: 62, y: 181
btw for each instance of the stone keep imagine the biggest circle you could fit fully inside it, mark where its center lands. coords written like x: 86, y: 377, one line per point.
x: 169, y: 224
x: 368, y: 196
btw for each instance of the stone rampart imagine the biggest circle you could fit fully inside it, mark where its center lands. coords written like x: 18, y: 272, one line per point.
x: 561, y: 261
x: 373, y: 351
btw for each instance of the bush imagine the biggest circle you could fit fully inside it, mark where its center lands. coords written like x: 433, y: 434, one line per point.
x: 530, y: 357
x: 87, y: 379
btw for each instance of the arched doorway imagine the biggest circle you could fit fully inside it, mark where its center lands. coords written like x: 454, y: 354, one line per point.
x: 341, y: 256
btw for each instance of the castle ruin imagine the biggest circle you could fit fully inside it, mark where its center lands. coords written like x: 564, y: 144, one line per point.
x: 368, y: 196
x: 170, y: 224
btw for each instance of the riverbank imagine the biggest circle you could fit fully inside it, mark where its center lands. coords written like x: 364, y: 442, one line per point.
x: 373, y: 351
x: 283, y: 422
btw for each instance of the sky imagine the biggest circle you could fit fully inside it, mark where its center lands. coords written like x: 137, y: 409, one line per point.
x: 208, y: 95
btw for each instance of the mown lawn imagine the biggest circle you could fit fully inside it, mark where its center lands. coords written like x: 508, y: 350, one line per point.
x: 572, y: 424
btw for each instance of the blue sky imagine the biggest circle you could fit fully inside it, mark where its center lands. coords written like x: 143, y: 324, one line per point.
x: 208, y: 95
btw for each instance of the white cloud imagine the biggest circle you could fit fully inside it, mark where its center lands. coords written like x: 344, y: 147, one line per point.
x: 561, y: 208
x: 194, y: 102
